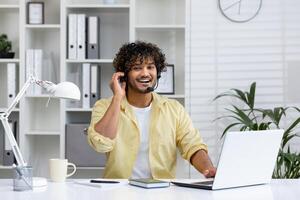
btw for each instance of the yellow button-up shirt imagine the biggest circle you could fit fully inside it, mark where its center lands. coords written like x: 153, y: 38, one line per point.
x: 170, y: 127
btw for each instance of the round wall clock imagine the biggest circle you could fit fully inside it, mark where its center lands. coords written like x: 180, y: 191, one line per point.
x: 240, y: 10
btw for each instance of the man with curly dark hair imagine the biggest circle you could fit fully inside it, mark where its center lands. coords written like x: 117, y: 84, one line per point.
x: 140, y: 130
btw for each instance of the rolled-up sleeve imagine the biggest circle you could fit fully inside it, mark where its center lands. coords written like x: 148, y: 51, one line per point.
x: 188, y: 138
x: 96, y: 140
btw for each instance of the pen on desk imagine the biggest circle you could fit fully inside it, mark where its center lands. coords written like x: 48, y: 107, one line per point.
x: 103, y: 181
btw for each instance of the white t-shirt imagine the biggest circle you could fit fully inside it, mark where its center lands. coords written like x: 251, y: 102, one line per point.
x: 141, y: 168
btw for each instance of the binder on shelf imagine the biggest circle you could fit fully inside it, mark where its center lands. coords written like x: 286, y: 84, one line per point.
x: 38, y: 62
x: 75, y: 76
x: 86, y: 85
x: 8, y: 156
x: 34, y: 62
x: 29, y: 68
x: 8, y: 159
x: 95, y: 84
x: 81, y: 36
x: 72, y: 36
x: 7, y: 84
x: 93, y: 37
x: 2, y: 139
x: 11, y: 82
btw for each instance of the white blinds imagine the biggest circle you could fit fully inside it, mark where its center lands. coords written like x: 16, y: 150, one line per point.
x: 223, y: 55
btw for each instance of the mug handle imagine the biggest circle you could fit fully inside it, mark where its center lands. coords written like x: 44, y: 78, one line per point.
x: 74, y: 169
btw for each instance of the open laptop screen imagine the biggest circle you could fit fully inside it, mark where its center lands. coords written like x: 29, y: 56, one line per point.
x: 247, y: 158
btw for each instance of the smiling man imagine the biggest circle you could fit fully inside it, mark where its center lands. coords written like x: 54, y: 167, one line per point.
x: 140, y: 130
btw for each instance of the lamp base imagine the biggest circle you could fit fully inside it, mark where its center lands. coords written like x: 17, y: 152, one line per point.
x: 38, y: 182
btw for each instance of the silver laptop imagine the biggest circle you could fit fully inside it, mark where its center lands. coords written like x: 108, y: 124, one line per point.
x: 247, y: 158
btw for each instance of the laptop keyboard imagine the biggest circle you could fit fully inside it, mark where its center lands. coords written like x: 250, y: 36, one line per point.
x: 204, y: 182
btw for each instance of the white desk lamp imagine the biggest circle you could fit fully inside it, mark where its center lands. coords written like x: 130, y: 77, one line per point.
x: 66, y: 90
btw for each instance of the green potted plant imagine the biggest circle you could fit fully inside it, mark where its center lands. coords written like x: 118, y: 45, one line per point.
x: 248, y: 117
x: 5, y: 47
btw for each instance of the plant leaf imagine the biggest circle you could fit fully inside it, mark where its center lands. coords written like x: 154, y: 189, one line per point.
x: 241, y: 95
x: 297, y: 121
x: 251, y: 95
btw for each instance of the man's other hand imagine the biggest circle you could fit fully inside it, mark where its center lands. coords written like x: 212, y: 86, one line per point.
x: 210, y: 173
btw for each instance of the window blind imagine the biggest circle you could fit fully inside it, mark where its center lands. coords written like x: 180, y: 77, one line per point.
x: 222, y: 54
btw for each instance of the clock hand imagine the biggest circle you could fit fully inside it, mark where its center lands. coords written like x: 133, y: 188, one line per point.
x: 240, y: 7
x: 232, y: 5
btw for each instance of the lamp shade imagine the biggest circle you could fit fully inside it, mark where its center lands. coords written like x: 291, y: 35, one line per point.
x: 67, y: 90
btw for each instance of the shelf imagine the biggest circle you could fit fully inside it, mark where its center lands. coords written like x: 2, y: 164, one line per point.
x: 43, y: 133
x: 162, y: 26
x: 174, y: 96
x: 98, y: 6
x: 14, y: 110
x: 90, y: 61
x: 9, y: 6
x: 10, y: 60
x: 43, y: 26
x: 6, y: 167
x: 79, y: 109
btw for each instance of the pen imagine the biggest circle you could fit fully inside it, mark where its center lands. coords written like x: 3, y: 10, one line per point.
x: 103, y: 181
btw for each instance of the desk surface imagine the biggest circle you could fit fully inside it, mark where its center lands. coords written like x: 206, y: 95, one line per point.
x: 277, y: 190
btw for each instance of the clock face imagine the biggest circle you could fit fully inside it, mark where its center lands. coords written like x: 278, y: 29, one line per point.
x: 240, y: 10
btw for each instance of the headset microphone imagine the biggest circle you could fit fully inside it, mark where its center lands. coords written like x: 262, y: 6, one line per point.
x: 150, y: 89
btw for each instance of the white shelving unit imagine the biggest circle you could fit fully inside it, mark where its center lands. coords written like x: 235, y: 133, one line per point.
x: 42, y: 129
x: 10, y: 13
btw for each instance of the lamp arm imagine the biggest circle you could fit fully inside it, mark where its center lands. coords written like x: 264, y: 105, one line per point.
x: 7, y: 129
x: 31, y: 80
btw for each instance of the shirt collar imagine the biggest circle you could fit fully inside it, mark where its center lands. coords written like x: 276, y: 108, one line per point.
x: 157, y: 101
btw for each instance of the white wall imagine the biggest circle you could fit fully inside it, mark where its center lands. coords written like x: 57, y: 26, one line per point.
x: 223, y: 55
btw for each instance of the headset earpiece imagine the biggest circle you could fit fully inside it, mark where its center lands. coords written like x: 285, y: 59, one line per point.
x: 124, y: 78
x: 158, y: 75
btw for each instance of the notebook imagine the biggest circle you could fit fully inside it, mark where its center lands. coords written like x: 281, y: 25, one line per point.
x: 148, y: 183
x: 247, y: 158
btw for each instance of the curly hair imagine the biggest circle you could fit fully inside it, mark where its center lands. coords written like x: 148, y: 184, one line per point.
x: 129, y: 53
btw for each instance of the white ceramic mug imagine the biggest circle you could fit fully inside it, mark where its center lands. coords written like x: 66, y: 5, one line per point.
x: 58, y: 169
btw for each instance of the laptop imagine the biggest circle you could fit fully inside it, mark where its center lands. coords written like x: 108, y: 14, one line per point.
x: 247, y: 158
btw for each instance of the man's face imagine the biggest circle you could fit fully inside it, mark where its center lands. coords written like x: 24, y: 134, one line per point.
x: 142, y: 75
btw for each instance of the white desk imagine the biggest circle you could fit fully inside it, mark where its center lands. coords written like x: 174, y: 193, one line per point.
x: 277, y: 190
